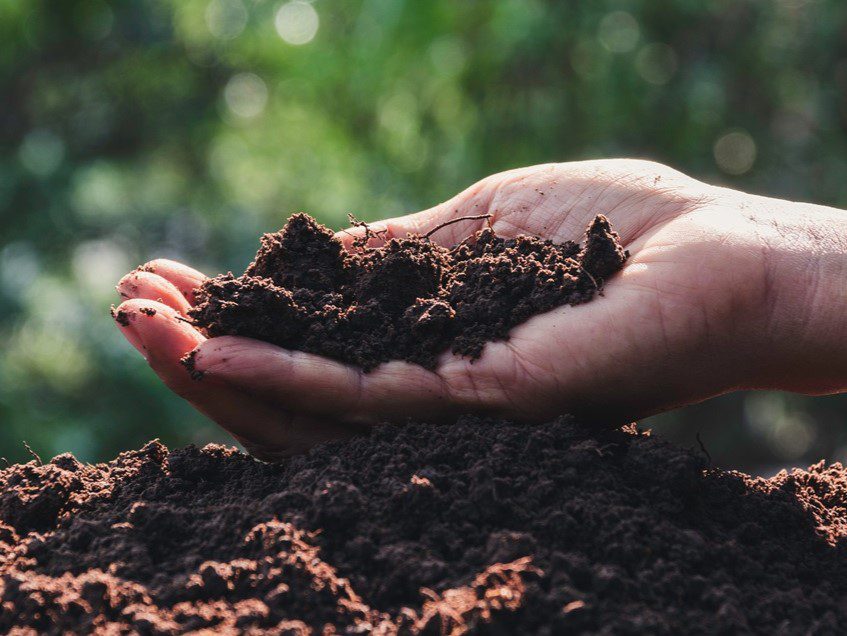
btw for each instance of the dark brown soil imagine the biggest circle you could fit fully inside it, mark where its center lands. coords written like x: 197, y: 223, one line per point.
x: 481, y: 526
x: 120, y: 316
x: 409, y: 299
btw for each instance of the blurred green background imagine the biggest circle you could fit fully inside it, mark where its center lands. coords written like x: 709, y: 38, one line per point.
x: 184, y: 128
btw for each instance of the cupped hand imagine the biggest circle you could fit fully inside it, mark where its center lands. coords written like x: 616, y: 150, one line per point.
x: 685, y: 319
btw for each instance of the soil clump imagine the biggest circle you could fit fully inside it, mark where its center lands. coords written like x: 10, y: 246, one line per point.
x: 408, y: 299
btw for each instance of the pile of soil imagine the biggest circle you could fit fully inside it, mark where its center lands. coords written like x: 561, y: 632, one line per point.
x: 409, y: 299
x: 482, y: 526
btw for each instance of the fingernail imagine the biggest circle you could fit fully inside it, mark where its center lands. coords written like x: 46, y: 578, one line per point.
x: 124, y: 319
x: 128, y: 285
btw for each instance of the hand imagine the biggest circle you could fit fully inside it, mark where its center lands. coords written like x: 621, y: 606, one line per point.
x: 723, y: 291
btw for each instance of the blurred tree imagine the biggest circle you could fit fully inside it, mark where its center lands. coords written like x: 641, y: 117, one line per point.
x: 184, y: 128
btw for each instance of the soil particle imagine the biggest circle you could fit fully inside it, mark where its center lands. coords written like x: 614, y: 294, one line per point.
x: 120, y: 316
x: 481, y: 526
x: 409, y: 299
x: 189, y: 361
x: 148, y: 311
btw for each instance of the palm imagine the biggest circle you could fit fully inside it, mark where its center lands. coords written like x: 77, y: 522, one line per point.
x: 654, y: 317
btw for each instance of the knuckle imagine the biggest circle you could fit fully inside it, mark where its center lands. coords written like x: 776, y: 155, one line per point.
x: 460, y: 386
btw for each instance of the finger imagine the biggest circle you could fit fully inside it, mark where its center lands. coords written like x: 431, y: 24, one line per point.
x: 156, y: 331
x: 308, y: 383
x: 186, y: 279
x: 160, y: 335
x: 473, y: 201
x: 144, y: 285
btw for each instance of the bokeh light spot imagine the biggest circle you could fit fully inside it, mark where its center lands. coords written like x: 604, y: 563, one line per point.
x: 100, y: 191
x: 788, y: 432
x: 656, y: 63
x: 41, y: 152
x: 97, y: 264
x: 706, y: 101
x: 297, y: 22
x: 735, y: 152
x: 246, y: 95
x: 19, y: 267
x: 226, y: 19
x: 448, y: 56
x: 618, y: 32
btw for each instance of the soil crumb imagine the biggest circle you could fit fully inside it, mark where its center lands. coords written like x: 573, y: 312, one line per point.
x: 482, y: 526
x: 409, y: 299
x: 120, y: 316
x: 189, y: 361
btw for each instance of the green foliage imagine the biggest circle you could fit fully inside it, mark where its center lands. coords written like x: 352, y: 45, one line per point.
x: 184, y: 128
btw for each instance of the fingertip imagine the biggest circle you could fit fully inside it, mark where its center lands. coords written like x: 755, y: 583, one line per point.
x: 141, y: 284
x: 165, y: 265
x: 156, y: 330
x: 125, y: 316
x: 186, y: 279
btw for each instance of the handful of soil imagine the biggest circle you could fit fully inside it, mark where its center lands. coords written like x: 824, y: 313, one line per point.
x: 409, y: 299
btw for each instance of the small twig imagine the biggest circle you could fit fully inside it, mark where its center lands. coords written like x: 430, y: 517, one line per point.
x: 703, y: 448
x: 593, y: 280
x: 33, y: 453
x: 475, y: 217
x: 361, y: 242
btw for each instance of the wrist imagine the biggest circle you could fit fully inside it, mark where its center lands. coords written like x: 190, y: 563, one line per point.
x: 802, y: 333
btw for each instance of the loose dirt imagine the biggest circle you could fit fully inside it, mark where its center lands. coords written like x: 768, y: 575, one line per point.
x: 409, y: 299
x: 482, y: 526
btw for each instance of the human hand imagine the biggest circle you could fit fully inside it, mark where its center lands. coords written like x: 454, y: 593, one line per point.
x: 713, y: 298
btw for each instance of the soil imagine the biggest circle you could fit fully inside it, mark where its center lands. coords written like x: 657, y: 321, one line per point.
x: 481, y: 526
x: 409, y: 299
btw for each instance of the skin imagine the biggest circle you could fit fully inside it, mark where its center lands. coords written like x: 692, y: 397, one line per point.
x: 723, y: 291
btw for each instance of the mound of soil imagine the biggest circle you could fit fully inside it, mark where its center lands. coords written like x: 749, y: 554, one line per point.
x: 408, y: 299
x: 482, y: 526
